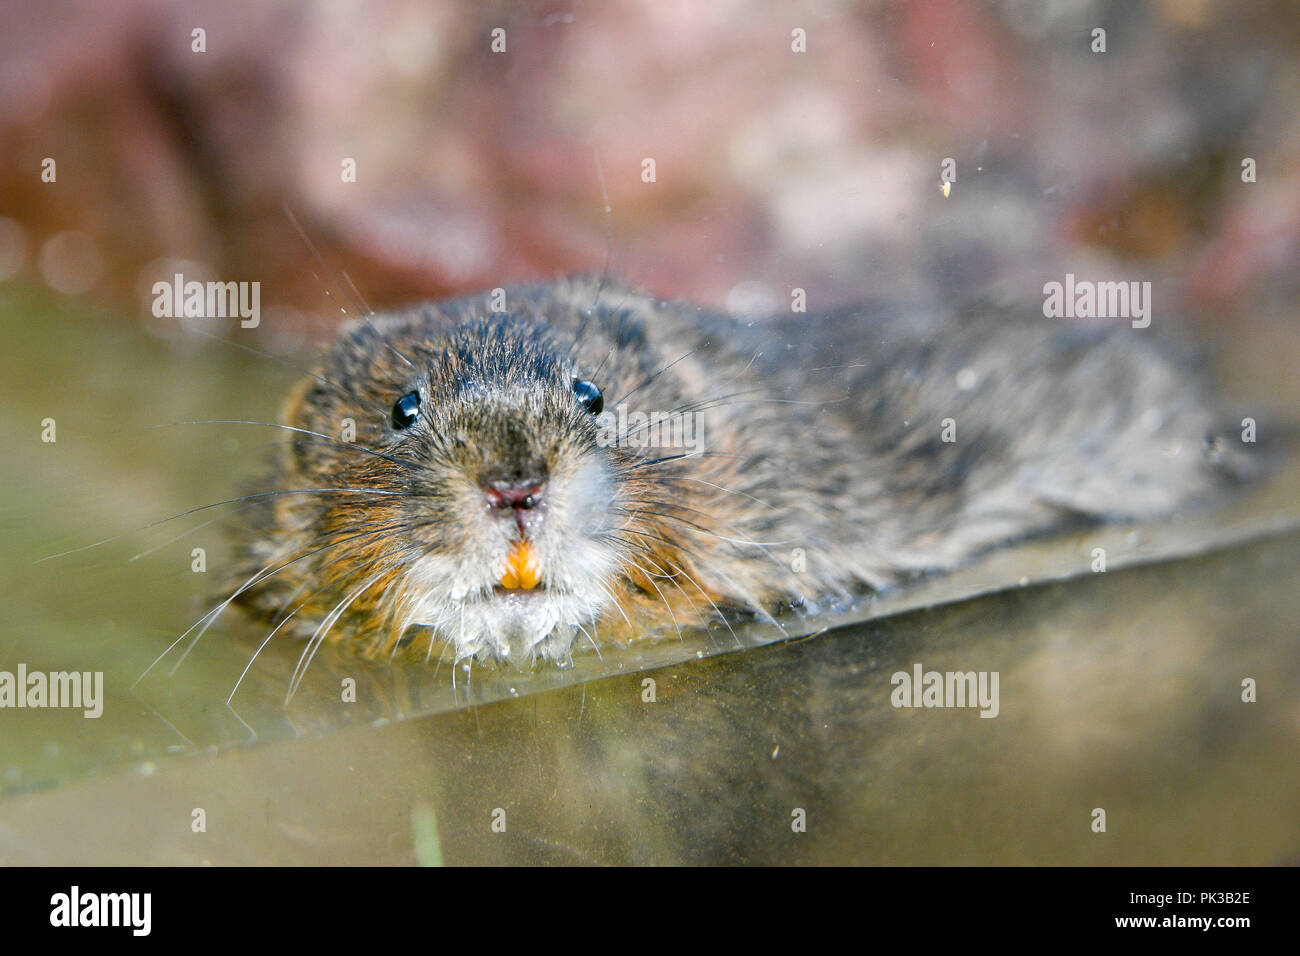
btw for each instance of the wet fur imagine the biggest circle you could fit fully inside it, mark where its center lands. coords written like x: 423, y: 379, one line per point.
x: 823, y: 439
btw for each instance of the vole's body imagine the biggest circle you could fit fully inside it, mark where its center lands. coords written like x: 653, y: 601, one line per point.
x: 839, y: 454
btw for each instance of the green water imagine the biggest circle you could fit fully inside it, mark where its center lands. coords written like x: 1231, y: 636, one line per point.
x: 1119, y: 691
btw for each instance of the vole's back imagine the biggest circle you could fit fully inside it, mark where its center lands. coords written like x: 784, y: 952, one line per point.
x: 892, y: 440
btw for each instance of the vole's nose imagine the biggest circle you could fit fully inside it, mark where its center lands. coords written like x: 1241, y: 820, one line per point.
x: 522, y: 500
x: 517, y: 495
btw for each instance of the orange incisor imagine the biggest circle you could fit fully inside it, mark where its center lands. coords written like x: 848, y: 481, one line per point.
x: 522, y: 569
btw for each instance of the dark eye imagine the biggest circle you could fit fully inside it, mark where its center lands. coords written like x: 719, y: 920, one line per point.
x: 406, y: 410
x: 589, y: 395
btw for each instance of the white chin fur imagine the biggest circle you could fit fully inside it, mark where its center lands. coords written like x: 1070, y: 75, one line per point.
x: 518, y: 628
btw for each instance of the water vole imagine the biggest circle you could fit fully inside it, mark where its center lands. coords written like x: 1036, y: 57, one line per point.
x: 595, y: 464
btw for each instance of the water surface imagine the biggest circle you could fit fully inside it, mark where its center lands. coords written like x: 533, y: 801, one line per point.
x: 1119, y: 690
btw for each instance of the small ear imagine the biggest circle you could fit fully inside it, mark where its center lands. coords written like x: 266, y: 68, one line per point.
x: 291, y: 412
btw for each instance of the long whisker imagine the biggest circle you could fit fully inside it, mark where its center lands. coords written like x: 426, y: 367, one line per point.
x: 720, y: 402
x: 346, y: 553
x: 755, y: 605
x: 311, y: 247
x: 290, y: 428
x: 672, y: 579
x: 357, y: 292
x: 211, y: 619
x: 712, y: 485
x: 309, y: 652
x: 609, y: 232
x: 610, y: 594
x: 762, y: 546
x: 670, y: 509
x: 271, y: 356
x: 647, y: 462
x: 668, y: 515
x: 647, y: 381
x: 201, y: 526
x: 218, y: 504
x: 594, y: 645
x: 690, y: 406
x: 288, y: 617
x: 433, y: 632
x: 261, y: 575
x: 189, y: 531
x: 671, y: 616
x: 715, y: 607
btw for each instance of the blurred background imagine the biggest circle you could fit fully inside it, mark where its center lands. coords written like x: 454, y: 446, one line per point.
x: 774, y: 168
x: 127, y: 155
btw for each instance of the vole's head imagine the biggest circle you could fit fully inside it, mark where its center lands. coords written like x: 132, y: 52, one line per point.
x: 478, y: 493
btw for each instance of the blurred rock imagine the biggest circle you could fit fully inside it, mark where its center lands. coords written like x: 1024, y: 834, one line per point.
x: 818, y: 169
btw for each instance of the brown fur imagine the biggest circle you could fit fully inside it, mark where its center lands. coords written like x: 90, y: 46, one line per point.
x: 822, y: 439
